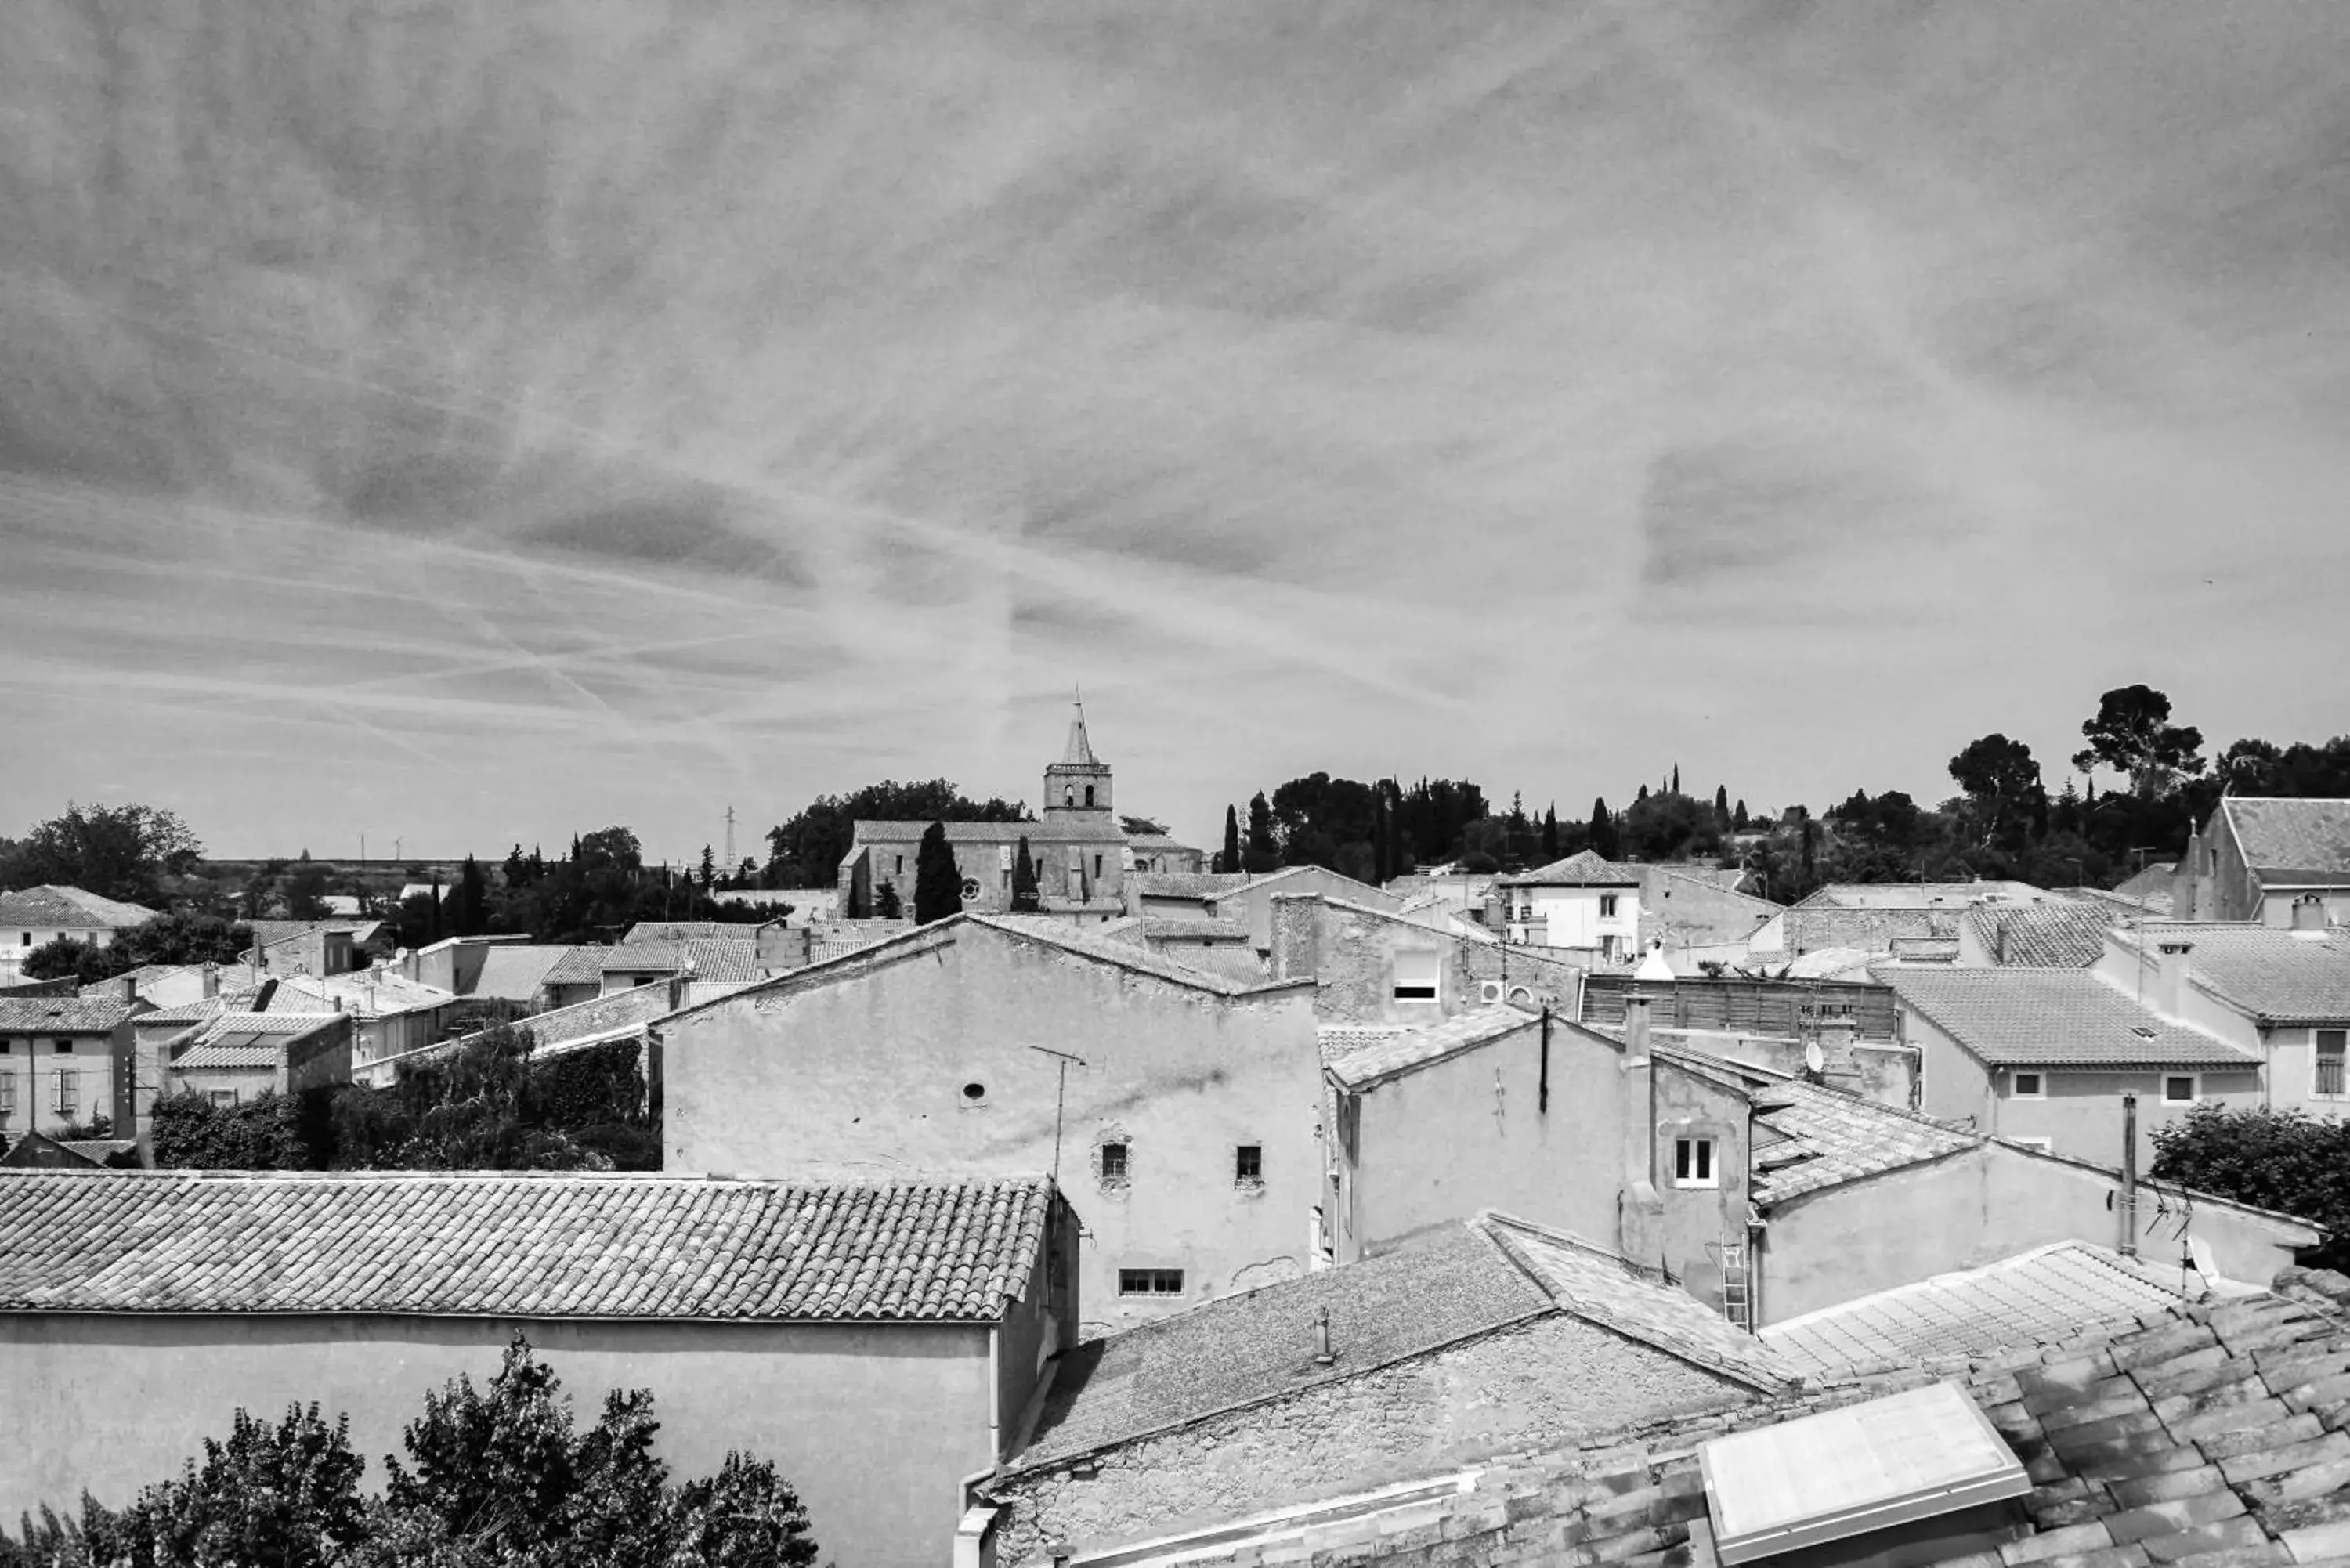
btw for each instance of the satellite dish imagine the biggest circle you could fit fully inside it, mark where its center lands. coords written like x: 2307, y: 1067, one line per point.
x: 1813, y: 1058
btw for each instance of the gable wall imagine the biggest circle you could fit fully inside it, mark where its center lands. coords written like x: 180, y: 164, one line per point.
x: 862, y: 1074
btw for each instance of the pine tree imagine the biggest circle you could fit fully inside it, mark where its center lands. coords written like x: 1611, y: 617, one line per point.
x: 1602, y: 830
x: 1394, y: 795
x: 1641, y: 796
x: 938, y: 886
x: 1025, y: 900
x: 1263, y: 851
x: 1228, y: 857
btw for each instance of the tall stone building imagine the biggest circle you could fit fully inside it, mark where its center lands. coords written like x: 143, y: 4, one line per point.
x: 1081, y: 853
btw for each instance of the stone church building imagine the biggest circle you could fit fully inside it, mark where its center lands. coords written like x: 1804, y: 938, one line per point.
x: 1081, y: 853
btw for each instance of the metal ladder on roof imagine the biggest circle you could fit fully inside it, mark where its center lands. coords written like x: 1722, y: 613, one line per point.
x: 1735, y: 1306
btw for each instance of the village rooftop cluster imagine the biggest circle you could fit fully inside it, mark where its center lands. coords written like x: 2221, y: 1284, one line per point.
x: 1139, y: 1212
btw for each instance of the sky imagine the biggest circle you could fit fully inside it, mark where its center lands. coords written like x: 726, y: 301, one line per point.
x: 472, y: 424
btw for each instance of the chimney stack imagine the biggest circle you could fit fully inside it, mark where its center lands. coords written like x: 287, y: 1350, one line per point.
x: 1640, y: 1211
x: 211, y: 979
x: 2309, y: 917
x: 2183, y: 882
x: 1838, y: 1064
x: 2171, y: 975
x: 1296, y: 935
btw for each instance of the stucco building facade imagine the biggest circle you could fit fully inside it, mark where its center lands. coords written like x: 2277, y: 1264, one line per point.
x: 1179, y: 1108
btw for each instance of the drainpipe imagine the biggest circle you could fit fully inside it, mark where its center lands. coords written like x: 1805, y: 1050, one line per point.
x: 2128, y: 1248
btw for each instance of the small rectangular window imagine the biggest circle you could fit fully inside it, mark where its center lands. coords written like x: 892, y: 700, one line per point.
x: 1150, y: 1281
x: 901, y: 863
x: 2330, y: 1052
x: 1113, y: 1164
x: 223, y: 1097
x: 2031, y: 1086
x: 1416, y: 976
x: 1693, y: 1162
x: 2179, y: 1089
x: 1606, y: 905
x: 61, y: 1047
x: 1248, y: 1163
x: 6, y: 1046
x: 8, y: 1094
x: 1096, y: 865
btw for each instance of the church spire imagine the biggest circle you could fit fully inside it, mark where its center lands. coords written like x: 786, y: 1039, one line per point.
x: 1079, y: 753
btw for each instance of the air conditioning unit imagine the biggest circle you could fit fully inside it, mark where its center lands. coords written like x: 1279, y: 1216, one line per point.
x: 1489, y: 992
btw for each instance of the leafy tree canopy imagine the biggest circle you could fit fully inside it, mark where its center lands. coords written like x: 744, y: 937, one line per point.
x: 806, y: 850
x: 2133, y: 735
x: 2287, y: 1161
x: 121, y: 852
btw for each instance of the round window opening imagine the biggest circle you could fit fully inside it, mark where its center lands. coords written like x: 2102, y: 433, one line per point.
x: 974, y: 1091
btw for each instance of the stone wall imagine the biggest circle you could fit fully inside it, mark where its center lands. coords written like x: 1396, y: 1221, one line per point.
x: 1541, y: 1383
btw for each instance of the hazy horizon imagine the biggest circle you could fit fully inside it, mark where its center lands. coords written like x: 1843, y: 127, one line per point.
x: 480, y: 425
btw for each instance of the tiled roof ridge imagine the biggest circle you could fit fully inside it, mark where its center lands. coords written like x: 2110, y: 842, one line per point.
x: 1173, y: 1322
x: 2225, y: 1051
x: 378, y: 1176
x: 1496, y: 1020
x: 2014, y: 1262
x: 1491, y: 1223
x: 1924, y: 1119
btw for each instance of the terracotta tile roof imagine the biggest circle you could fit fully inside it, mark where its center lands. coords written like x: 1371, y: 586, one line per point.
x: 61, y: 1015
x: 688, y: 930
x: 2290, y: 841
x: 2039, y: 1297
x: 96, y: 1149
x: 70, y: 908
x: 2049, y: 1017
x: 582, y: 965
x: 714, y: 958
x: 1178, y: 927
x: 1182, y: 883
x: 2124, y: 905
x: 2213, y: 1436
x: 269, y: 933
x: 1827, y: 1136
x: 1157, y: 843
x: 1581, y: 869
x: 363, y: 994
x: 2269, y: 974
x: 1376, y: 1060
x: 1599, y: 1284
x: 236, y: 1051
x: 229, y: 999
x: 1920, y: 895
x: 2042, y: 936
x: 2152, y: 878
x: 498, y: 1245
x: 1240, y: 964
x: 1242, y: 1348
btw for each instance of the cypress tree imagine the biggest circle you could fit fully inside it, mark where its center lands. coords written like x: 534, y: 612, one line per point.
x: 886, y: 904
x: 1023, y: 882
x: 1602, y: 830
x: 1263, y: 854
x: 1677, y: 779
x: 1722, y: 804
x: 1641, y: 796
x: 1228, y: 857
x: 1394, y: 827
x: 472, y: 916
x: 938, y: 886
x: 1739, y: 819
x: 1550, y: 831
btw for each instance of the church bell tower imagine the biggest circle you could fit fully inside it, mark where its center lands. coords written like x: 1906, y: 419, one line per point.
x: 1077, y: 788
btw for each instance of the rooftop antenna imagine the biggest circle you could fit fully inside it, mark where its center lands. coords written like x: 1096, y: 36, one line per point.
x: 1060, y: 1102
x: 730, y: 840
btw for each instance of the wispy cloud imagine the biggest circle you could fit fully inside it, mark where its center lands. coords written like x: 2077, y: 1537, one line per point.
x: 477, y: 424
